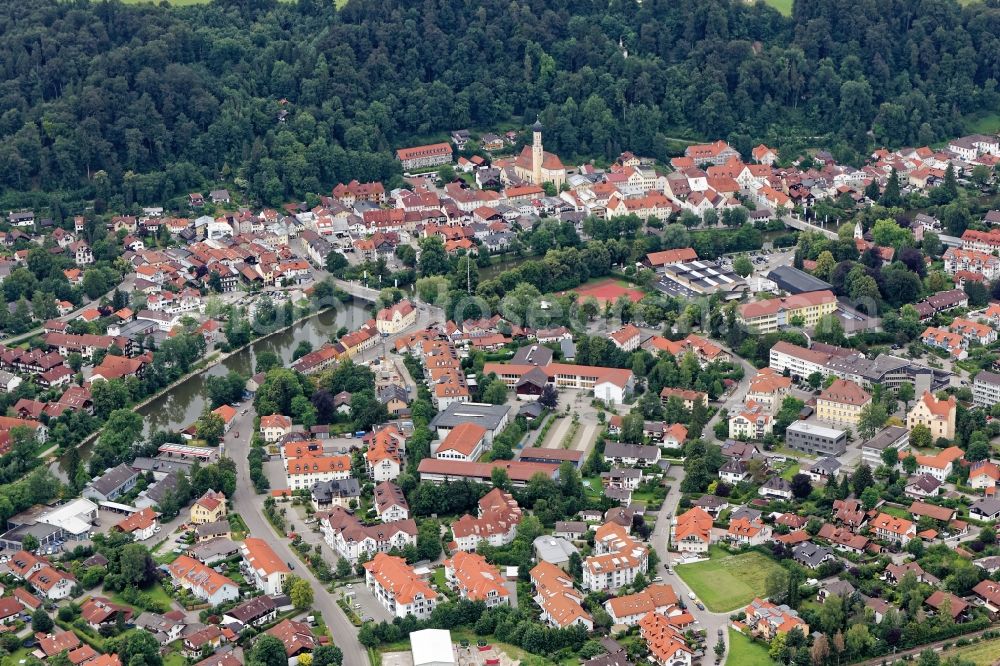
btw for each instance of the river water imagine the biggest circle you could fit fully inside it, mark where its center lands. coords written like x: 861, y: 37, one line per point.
x: 180, y: 406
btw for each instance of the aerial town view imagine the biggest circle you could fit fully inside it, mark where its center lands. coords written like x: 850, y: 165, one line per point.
x: 474, y: 333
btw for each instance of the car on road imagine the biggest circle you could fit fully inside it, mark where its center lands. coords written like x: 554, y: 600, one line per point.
x: 700, y: 605
x: 719, y: 632
x: 691, y: 596
x: 658, y: 579
x: 291, y: 566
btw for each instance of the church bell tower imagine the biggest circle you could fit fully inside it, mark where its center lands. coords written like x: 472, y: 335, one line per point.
x: 536, y: 152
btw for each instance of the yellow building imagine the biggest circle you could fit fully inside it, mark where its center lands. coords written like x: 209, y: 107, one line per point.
x: 209, y: 508
x: 536, y: 166
x: 842, y: 402
x: 799, y: 310
x: 937, y: 415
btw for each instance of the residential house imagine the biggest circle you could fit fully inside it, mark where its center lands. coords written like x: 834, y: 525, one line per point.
x: 936, y: 414
x: 263, y: 567
x: 398, y: 588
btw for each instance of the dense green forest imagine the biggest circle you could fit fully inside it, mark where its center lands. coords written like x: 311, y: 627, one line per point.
x: 145, y: 103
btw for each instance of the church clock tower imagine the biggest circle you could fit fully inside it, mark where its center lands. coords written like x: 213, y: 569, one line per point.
x: 536, y: 152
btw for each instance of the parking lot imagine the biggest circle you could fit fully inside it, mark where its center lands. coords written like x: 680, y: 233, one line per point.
x: 363, y: 602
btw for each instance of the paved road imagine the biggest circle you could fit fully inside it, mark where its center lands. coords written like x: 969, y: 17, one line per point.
x: 734, y: 399
x: 710, y: 622
x: 248, y: 504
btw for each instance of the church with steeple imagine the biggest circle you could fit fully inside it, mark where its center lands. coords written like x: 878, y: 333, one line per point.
x: 536, y: 166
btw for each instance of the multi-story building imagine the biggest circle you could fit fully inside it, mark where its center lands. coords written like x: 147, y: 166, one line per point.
x: 617, y: 559
x: 307, y: 472
x: 842, y: 402
x: 384, y: 457
x: 263, y: 567
x: 973, y: 261
x: 425, y: 156
x: 631, y: 608
x: 986, y: 389
x: 398, y: 588
x: 274, y: 427
x: 626, y: 338
x: 896, y: 437
x: 390, y: 502
x: 691, y: 531
x: 938, y: 415
x: 611, y: 385
x: 973, y: 331
x: 496, y: 522
x: 202, y: 581
x: 466, y: 441
x: 816, y: 440
x: 941, y: 464
x: 768, y: 620
x: 475, y: 579
x: 770, y: 315
x: 209, y: 508
x: 752, y: 421
x: 768, y: 389
x: 559, y: 600
x: 893, y: 529
x: 666, y: 643
x: 351, y: 539
x: 939, y: 338
x: 396, y: 318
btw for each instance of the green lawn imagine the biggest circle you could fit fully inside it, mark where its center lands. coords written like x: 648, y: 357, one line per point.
x: 154, y: 592
x: 15, y: 658
x: 790, y: 472
x: 174, y: 659
x: 981, y: 654
x: 784, y: 7
x: 727, y: 582
x: 984, y: 124
x: 745, y: 652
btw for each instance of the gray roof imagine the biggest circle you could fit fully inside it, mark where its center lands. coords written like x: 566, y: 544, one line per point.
x: 810, y: 554
x: 217, y: 547
x: 532, y: 355
x: 252, y: 610
x: 530, y: 409
x: 393, y: 391
x: 745, y: 512
x: 622, y: 450
x: 986, y: 505
x: 571, y: 526
x: 568, y: 348
x: 113, y: 479
x: 553, y: 549
x: 826, y: 465
x: 841, y: 588
x: 777, y: 483
x: 886, y: 438
x: 710, y: 502
x: 487, y: 416
x: 217, y: 528
x: 325, y: 491
x: 794, y: 281
x: 987, y: 377
x: 144, y: 464
x: 158, y: 491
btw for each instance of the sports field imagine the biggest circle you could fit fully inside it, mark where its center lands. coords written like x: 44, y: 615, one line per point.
x: 727, y: 582
x: 608, y: 290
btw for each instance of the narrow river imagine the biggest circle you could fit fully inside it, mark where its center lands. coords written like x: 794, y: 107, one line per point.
x: 181, y: 405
